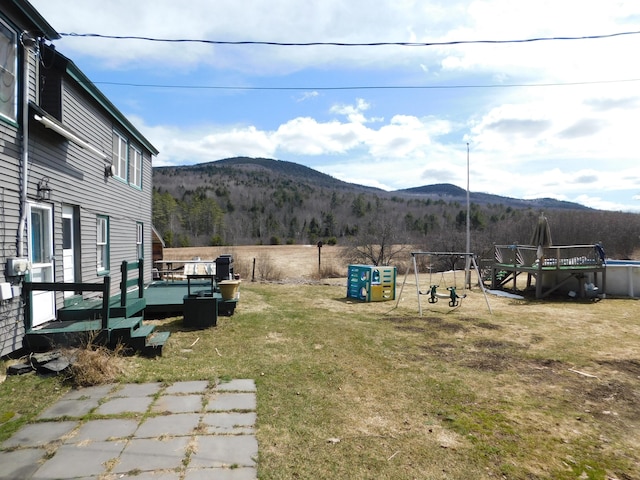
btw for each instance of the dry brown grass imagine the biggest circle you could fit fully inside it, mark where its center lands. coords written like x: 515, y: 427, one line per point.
x: 346, y: 389
x: 273, y: 262
x: 96, y: 365
x: 534, y: 390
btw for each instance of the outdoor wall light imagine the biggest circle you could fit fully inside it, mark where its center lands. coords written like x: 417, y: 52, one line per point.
x: 109, y: 170
x: 44, y: 190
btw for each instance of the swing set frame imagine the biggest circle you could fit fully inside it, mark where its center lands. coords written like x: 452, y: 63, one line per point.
x: 454, y: 298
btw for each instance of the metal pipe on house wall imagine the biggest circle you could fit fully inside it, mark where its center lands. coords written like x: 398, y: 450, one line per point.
x: 27, y: 41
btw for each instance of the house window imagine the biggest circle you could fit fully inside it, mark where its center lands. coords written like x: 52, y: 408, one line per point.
x: 135, y: 175
x: 40, y: 236
x: 8, y: 69
x: 102, y: 243
x: 139, y: 240
x: 120, y: 155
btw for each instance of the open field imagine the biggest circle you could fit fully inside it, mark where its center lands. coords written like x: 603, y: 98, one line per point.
x: 290, y: 262
x: 533, y: 390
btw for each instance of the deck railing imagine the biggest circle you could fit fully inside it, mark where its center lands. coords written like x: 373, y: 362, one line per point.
x: 126, y: 282
x: 30, y: 287
x: 531, y: 256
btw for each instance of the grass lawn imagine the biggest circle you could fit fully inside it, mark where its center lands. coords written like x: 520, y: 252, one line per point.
x: 536, y: 390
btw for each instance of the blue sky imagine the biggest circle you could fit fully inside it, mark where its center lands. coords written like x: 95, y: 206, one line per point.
x: 542, y: 119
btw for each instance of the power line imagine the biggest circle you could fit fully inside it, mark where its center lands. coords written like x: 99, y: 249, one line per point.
x: 363, y: 87
x: 343, y: 44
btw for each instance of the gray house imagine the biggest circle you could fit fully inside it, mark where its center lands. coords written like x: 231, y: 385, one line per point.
x: 75, y: 177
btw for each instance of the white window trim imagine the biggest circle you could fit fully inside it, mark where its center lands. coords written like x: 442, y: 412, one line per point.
x: 13, y: 39
x: 102, y: 244
x: 136, y: 167
x: 139, y: 240
x: 120, y: 155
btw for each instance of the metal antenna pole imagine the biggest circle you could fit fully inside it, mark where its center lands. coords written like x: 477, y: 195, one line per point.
x: 467, y: 264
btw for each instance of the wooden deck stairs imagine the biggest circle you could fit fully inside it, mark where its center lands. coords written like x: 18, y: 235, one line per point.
x: 97, y: 317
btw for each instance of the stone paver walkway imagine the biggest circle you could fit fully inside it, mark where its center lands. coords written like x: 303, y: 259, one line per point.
x: 151, y: 431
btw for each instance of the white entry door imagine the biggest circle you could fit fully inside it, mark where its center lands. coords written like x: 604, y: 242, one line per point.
x: 68, y: 247
x: 40, y: 228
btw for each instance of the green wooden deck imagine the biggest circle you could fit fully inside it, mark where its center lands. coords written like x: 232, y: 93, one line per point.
x: 80, y: 308
x: 99, y: 318
x: 114, y: 319
x: 166, y: 297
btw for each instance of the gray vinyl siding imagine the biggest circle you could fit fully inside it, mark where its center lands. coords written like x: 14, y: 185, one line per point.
x: 34, y: 69
x: 76, y: 177
x: 11, y: 324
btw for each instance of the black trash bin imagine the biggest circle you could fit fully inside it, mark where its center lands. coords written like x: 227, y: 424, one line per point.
x: 224, y: 267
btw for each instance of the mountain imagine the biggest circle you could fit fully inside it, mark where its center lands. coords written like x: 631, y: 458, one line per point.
x: 270, y: 167
x: 301, y: 173
x: 448, y: 191
x: 243, y: 201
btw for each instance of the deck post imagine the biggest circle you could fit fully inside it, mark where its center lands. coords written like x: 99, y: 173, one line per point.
x: 27, y: 299
x: 105, y: 303
x: 539, y: 279
x: 124, y: 269
x: 140, y: 278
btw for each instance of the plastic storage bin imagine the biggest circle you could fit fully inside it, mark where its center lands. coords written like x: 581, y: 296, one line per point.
x: 201, y: 302
x: 370, y: 283
x: 224, y: 267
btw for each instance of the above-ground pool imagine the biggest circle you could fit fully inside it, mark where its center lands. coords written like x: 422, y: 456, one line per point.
x: 623, y: 278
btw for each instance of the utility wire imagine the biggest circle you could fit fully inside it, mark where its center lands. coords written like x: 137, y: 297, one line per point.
x: 364, y: 87
x: 341, y: 44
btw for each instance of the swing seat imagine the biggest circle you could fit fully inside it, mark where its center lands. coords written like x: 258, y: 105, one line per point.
x: 454, y: 299
x: 434, y: 295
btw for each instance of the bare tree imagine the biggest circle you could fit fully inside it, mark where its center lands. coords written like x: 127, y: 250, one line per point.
x: 379, y: 244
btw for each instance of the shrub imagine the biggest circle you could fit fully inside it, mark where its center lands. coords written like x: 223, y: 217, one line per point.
x: 267, y: 269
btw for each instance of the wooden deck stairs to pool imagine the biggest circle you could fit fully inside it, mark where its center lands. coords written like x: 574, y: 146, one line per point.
x: 97, y: 317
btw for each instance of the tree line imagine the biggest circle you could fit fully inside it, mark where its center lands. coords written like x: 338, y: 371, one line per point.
x: 240, y: 206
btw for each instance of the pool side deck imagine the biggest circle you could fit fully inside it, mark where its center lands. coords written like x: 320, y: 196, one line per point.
x: 553, y: 267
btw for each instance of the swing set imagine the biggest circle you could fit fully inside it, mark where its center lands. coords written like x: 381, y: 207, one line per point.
x: 454, y: 299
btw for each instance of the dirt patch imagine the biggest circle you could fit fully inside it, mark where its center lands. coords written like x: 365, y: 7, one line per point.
x: 424, y: 324
x: 611, y: 391
x: 497, y: 344
x: 410, y: 328
x: 488, y: 361
x: 629, y: 367
x: 488, y: 326
x: 402, y: 319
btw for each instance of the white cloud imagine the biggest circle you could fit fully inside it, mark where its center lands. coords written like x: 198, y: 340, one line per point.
x: 333, y: 21
x: 179, y: 147
x: 573, y: 142
x: 307, y: 96
x: 306, y: 136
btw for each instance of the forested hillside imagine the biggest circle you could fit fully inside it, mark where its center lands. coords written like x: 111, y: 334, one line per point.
x: 243, y: 201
